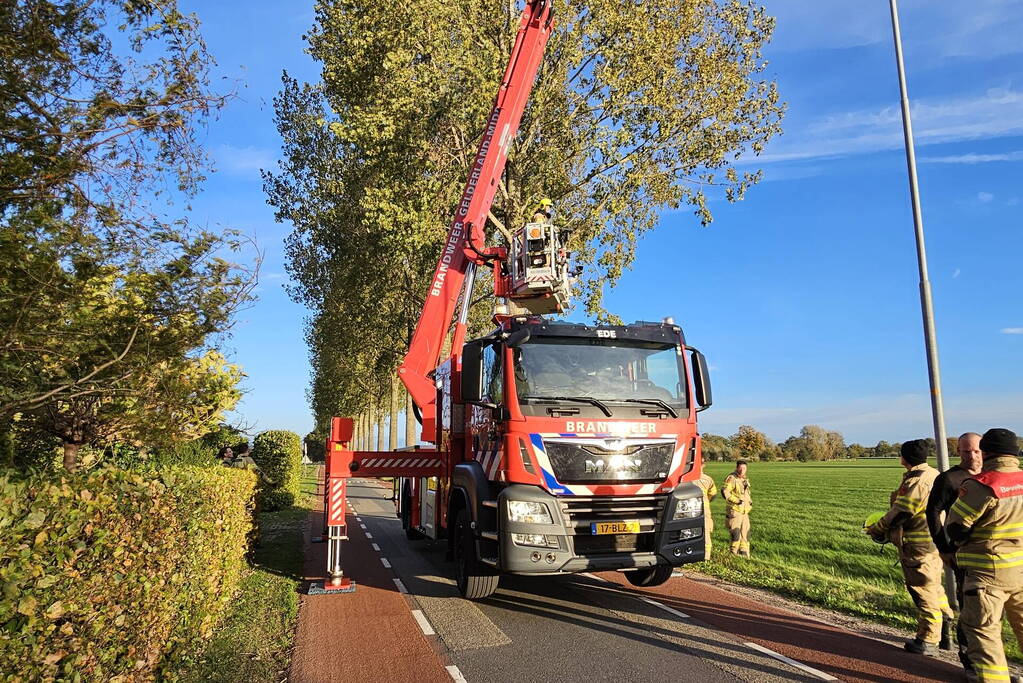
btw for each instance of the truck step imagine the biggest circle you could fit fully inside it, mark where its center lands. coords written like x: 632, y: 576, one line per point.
x: 489, y: 561
x: 489, y: 535
x: 490, y: 504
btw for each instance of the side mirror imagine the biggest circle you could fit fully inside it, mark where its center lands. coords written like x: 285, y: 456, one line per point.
x: 701, y: 378
x: 517, y: 338
x: 472, y: 372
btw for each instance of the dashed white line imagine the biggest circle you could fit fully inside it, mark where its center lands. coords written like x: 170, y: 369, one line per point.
x: 669, y: 610
x: 362, y: 525
x: 383, y: 561
x: 791, y: 662
x: 400, y: 585
x: 369, y: 535
x: 456, y: 675
x: 424, y: 624
x: 376, y: 547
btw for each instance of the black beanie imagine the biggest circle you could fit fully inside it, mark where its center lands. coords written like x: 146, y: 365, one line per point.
x: 915, y: 452
x: 999, y: 442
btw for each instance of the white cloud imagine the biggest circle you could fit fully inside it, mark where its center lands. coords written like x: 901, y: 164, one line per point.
x: 930, y: 30
x: 242, y: 160
x: 956, y: 274
x: 993, y: 114
x: 985, y: 197
x: 974, y: 158
x: 1012, y: 330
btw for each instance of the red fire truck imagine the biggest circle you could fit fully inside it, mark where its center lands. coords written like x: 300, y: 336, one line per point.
x: 558, y: 447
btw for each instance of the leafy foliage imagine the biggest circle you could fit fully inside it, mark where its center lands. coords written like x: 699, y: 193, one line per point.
x: 114, y: 574
x: 278, y: 453
x: 106, y: 301
x: 637, y: 108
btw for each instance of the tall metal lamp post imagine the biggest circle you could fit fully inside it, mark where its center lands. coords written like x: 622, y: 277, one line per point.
x: 926, y: 307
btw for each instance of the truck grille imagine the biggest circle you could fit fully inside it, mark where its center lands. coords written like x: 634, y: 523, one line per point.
x: 580, y: 461
x: 580, y: 512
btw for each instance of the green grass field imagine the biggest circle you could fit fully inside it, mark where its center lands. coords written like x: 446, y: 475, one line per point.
x: 807, y: 543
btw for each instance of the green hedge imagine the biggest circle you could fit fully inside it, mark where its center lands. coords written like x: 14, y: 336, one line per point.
x: 279, y: 455
x: 117, y: 575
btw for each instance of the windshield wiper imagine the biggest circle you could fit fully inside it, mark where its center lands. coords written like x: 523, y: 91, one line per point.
x: 653, y: 402
x: 582, y: 399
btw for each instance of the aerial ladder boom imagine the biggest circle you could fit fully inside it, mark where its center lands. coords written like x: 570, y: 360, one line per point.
x: 464, y: 248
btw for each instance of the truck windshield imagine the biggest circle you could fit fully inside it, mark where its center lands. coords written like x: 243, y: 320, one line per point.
x: 608, y: 370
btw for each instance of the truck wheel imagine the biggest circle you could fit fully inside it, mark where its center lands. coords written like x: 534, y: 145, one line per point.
x: 651, y: 576
x: 474, y: 582
x: 406, y: 517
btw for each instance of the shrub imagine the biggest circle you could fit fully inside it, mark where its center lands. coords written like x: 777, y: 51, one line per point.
x: 278, y: 453
x: 117, y: 575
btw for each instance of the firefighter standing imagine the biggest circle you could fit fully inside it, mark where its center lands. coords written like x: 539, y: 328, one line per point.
x: 710, y: 492
x: 943, y: 496
x: 905, y: 524
x: 986, y: 526
x: 738, y: 503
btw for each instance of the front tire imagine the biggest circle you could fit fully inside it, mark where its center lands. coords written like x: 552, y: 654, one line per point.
x: 651, y: 576
x: 474, y: 581
x: 406, y: 516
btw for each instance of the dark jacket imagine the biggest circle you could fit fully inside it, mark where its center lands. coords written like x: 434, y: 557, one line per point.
x: 943, y: 495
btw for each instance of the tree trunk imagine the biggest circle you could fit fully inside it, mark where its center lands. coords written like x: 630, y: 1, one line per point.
x: 410, y: 422
x: 392, y: 426
x: 71, y: 456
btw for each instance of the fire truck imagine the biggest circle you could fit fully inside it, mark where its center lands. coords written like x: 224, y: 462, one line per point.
x: 556, y: 447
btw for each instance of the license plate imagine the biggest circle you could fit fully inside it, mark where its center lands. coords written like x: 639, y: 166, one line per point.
x: 614, y: 528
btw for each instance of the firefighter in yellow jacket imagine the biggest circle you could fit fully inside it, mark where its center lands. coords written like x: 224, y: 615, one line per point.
x: 985, y: 525
x: 738, y: 503
x: 905, y: 524
x: 710, y: 492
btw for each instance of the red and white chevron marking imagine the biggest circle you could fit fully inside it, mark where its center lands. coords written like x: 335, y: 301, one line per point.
x: 336, y: 503
x: 401, y: 462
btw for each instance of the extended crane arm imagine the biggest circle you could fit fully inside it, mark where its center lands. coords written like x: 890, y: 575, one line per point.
x: 464, y: 247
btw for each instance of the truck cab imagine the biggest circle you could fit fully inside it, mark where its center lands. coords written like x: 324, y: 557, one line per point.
x: 578, y: 450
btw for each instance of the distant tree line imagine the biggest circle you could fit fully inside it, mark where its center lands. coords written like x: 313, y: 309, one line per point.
x: 813, y: 443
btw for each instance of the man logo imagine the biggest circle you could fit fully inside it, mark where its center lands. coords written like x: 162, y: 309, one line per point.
x: 616, y: 463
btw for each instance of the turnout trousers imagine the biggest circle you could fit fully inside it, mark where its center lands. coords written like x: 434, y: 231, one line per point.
x: 987, y: 595
x: 921, y: 568
x: 738, y: 529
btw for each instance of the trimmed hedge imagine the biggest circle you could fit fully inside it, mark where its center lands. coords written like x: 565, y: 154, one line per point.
x: 117, y: 575
x: 278, y: 453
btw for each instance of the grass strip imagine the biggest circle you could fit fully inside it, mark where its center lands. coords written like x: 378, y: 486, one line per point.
x: 254, y: 643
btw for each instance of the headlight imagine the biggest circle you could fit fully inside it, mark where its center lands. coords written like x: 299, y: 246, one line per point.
x: 528, y: 512
x: 537, y: 540
x: 687, y: 508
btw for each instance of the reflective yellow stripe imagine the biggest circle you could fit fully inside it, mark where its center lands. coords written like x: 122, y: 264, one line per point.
x: 909, y: 504
x: 998, y: 531
x: 986, y: 561
x: 964, y: 510
x: 992, y: 673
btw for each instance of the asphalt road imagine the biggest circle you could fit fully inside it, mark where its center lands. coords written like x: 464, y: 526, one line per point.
x: 405, y: 622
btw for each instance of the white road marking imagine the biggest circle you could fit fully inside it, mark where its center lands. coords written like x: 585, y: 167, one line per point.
x: 400, y: 585
x: 363, y: 526
x: 791, y: 662
x: 456, y: 675
x: 369, y: 535
x: 669, y: 610
x: 424, y: 624
x: 383, y: 561
x: 376, y: 547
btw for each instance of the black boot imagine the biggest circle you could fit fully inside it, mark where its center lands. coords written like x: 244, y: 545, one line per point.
x: 946, y: 635
x: 919, y: 647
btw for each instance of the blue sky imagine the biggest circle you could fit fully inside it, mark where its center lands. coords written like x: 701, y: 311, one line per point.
x: 804, y: 297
